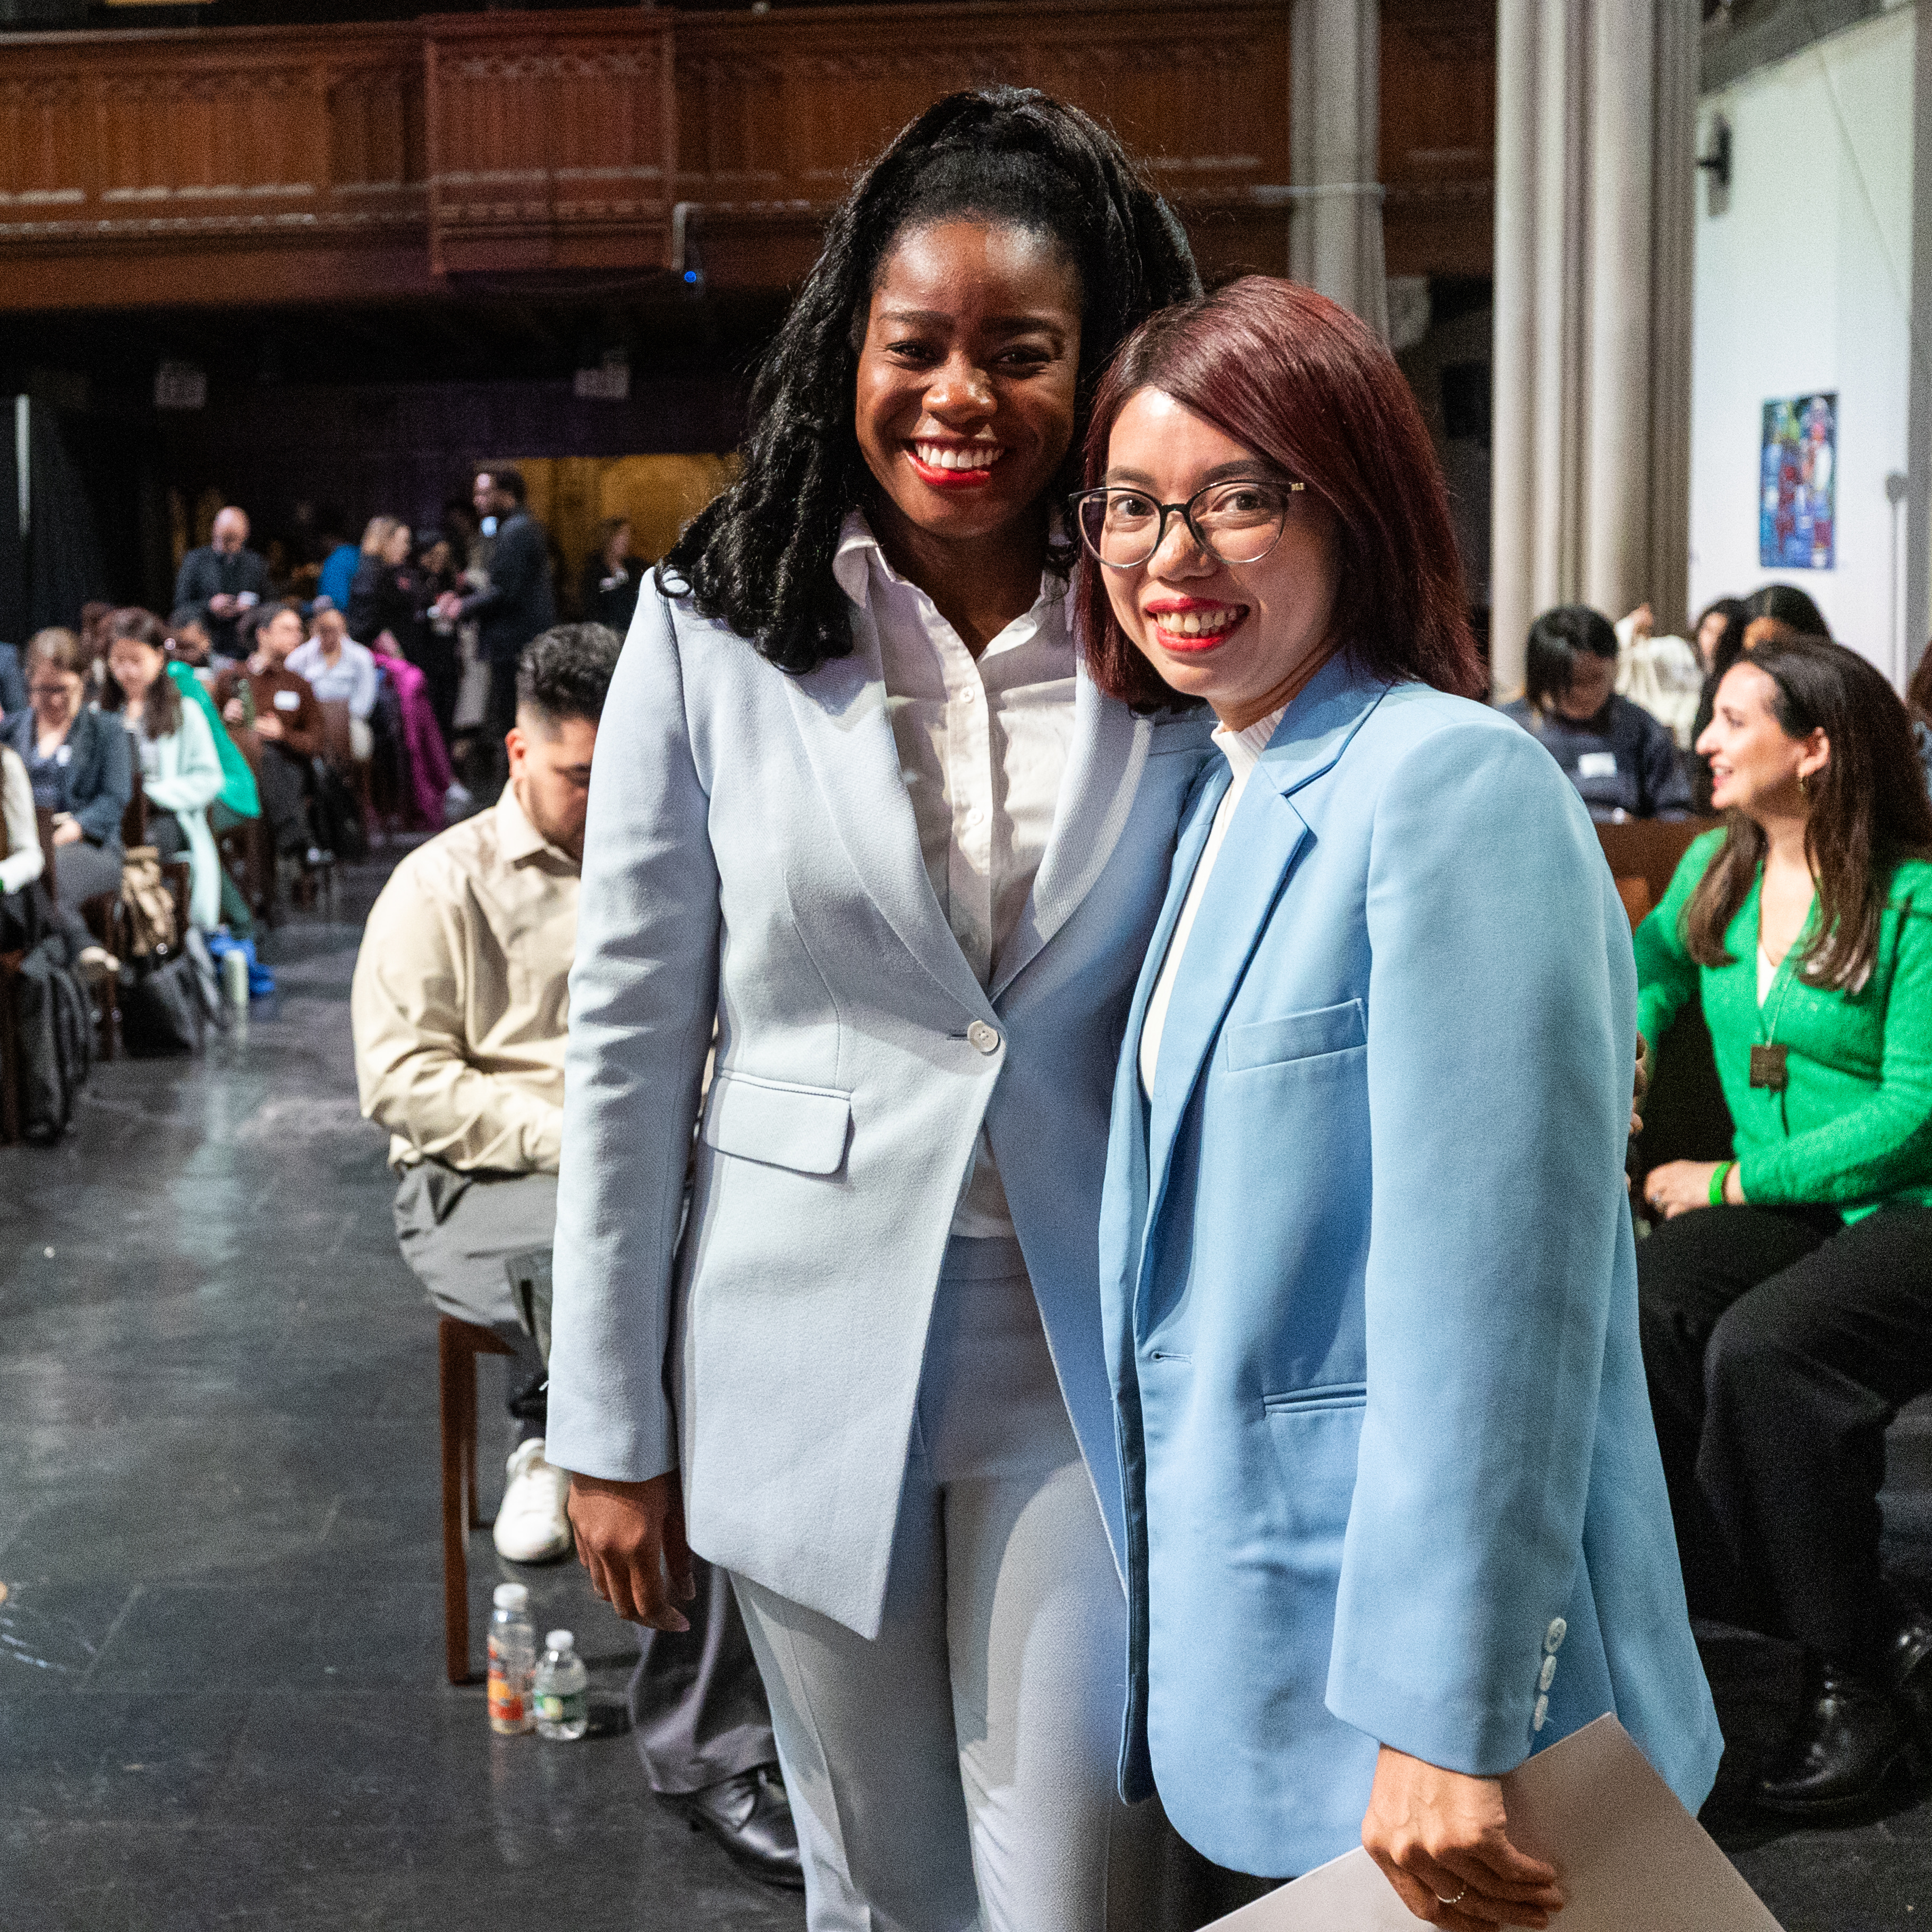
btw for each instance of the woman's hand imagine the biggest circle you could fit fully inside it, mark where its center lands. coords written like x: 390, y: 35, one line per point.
x: 269, y: 726
x: 1441, y: 1836
x: 67, y: 832
x: 1676, y: 1186
x: 630, y: 1537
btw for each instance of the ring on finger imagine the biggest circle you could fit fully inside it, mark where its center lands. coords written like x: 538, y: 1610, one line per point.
x: 1458, y: 1899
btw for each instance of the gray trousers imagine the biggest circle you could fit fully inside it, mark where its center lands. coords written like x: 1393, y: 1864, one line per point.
x: 84, y: 869
x: 956, y: 1772
x: 697, y: 1709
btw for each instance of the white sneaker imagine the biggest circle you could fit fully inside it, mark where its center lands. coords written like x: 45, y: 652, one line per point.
x: 531, y: 1524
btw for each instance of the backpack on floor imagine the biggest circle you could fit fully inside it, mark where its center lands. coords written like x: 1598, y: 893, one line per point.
x: 56, y: 1037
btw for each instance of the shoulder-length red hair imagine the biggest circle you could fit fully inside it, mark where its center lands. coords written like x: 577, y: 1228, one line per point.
x: 1315, y: 394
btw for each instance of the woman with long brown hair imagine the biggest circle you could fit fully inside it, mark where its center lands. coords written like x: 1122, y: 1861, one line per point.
x: 1782, y: 1330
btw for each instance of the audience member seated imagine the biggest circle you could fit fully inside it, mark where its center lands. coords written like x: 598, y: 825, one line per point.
x: 188, y: 643
x: 1781, y: 610
x: 338, y: 667
x: 1786, y: 1296
x: 339, y: 559
x: 435, y: 646
x: 223, y: 579
x: 12, y: 682
x: 80, y: 765
x: 1918, y: 702
x: 459, y: 1007
x: 1617, y: 755
x: 276, y: 720
x: 612, y: 577
x: 180, y: 769
x: 1661, y: 673
x: 22, y: 862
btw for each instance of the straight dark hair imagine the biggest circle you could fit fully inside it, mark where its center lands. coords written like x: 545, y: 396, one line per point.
x: 1315, y: 394
x: 161, y: 716
x: 1556, y: 640
x: 759, y: 556
x: 1869, y: 810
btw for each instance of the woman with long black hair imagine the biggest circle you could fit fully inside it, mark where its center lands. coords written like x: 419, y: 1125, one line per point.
x: 861, y: 809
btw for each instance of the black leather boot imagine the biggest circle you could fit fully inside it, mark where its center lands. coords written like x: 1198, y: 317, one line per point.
x: 1851, y: 1738
x: 1908, y: 1658
x: 751, y: 1817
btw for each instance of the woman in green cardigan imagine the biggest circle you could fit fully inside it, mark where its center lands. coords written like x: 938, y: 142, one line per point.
x: 1786, y: 1296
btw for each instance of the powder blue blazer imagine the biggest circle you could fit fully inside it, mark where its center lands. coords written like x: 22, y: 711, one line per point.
x: 1371, y: 1293
x: 751, y: 856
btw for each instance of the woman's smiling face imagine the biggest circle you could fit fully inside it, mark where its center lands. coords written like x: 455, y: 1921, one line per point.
x: 965, y: 403
x: 1242, y: 636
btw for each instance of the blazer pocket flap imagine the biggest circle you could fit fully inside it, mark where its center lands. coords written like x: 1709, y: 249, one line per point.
x: 803, y: 1128
x: 1297, y: 1036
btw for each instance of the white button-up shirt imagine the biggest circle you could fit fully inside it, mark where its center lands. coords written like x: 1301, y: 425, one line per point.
x: 983, y: 746
x: 1243, y: 751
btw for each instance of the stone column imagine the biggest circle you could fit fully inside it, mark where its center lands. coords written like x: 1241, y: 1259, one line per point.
x: 1596, y: 107
x: 1335, y: 224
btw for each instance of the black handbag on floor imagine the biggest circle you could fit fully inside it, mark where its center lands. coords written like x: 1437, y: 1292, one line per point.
x: 161, y: 1011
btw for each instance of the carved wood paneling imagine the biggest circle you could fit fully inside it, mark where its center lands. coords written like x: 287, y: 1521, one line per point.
x: 279, y: 163
x: 550, y: 141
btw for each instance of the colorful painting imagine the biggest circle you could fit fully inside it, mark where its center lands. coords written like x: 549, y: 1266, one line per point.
x: 1795, y: 524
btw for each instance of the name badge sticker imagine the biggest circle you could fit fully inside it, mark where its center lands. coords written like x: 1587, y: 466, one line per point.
x: 288, y: 700
x: 64, y: 755
x: 1597, y: 765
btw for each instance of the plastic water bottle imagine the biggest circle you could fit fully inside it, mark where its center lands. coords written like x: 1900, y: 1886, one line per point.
x: 513, y: 1656
x: 234, y: 978
x: 562, y: 1691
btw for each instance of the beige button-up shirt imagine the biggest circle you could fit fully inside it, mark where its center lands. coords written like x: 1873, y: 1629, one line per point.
x: 459, y: 996
x: 982, y: 745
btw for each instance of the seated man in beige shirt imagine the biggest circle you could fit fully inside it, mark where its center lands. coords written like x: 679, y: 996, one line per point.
x: 461, y: 1013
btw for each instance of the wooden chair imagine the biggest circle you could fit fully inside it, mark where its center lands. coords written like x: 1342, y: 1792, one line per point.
x: 248, y: 855
x: 1686, y: 1117
x: 457, y: 1346
x: 338, y: 747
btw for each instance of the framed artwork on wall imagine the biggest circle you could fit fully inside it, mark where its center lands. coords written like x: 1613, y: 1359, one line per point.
x: 1797, y: 482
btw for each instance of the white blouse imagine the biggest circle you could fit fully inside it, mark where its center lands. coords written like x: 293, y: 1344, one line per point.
x: 1243, y: 751
x: 983, y: 746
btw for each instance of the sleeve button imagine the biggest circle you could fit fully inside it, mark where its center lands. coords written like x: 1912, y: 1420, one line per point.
x: 1549, y: 1674
x: 1552, y: 1638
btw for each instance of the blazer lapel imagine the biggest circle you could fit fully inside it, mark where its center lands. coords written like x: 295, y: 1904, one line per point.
x: 840, y: 710
x: 1103, y: 771
x: 1266, y: 834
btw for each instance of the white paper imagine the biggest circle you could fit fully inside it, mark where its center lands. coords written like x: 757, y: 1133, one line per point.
x: 1627, y: 1853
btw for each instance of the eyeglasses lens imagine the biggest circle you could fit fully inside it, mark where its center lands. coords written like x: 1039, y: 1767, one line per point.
x: 1237, y: 523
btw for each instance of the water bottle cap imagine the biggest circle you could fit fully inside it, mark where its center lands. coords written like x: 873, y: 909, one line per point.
x: 512, y: 1596
x: 559, y: 1640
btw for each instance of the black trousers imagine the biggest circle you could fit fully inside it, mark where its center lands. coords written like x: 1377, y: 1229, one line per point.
x: 285, y: 782
x: 1779, y: 1345
x: 698, y: 1714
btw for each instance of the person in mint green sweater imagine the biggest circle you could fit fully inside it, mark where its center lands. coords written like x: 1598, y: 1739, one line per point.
x: 1786, y: 1293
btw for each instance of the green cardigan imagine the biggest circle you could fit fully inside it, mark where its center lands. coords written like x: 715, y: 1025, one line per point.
x: 1852, y: 1128
x: 238, y: 782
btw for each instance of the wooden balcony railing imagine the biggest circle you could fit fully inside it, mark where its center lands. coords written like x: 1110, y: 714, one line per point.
x: 382, y: 161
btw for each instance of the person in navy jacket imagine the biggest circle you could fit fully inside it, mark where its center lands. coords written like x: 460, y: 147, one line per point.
x: 1396, y: 1513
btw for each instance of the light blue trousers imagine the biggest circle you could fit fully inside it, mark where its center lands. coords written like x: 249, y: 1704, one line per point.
x: 956, y: 1773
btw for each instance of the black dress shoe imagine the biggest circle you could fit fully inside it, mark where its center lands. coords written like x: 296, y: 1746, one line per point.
x: 1908, y: 1659
x: 751, y: 1817
x: 1851, y: 1738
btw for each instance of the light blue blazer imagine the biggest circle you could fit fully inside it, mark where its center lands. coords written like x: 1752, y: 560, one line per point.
x: 1371, y: 1293
x: 751, y: 856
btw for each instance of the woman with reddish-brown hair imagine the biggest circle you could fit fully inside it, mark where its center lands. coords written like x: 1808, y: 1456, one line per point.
x: 1396, y: 1512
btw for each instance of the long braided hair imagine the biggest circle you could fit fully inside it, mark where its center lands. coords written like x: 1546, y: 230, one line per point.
x: 759, y: 557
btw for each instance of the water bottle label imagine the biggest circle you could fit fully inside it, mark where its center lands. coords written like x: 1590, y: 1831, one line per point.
x: 563, y: 1707
x: 506, y: 1701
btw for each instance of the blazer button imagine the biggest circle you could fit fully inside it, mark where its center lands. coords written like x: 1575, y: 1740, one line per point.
x: 986, y: 1038
x: 1552, y: 1638
x: 1548, y: 1675
x: 1541, y: 1716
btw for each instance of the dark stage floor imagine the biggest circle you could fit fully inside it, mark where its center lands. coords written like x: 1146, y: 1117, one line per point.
x: 222, y: 1699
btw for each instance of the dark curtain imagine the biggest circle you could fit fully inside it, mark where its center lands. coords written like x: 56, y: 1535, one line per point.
x: 14, y: 626
x: 65, y: 567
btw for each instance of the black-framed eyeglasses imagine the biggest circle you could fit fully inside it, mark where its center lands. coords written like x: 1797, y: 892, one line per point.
x: 1235, y: 522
